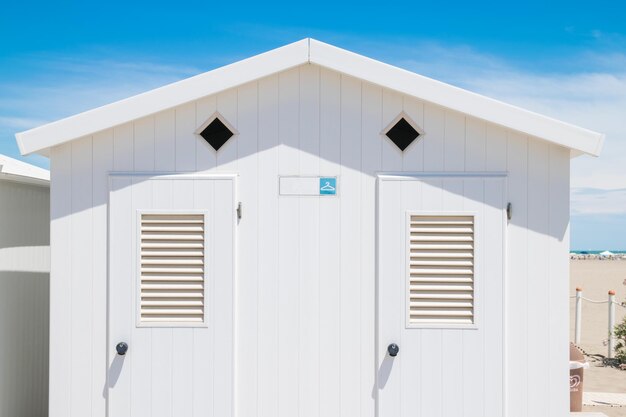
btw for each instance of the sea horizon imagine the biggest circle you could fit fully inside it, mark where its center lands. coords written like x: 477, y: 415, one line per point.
x: 596, y: 252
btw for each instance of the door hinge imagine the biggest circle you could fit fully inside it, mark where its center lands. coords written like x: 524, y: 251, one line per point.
x: 509, y: 211
x: 239, y: 211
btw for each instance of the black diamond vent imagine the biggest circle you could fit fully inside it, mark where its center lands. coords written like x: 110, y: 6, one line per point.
x: 216, y: 134
x: 402, y: 134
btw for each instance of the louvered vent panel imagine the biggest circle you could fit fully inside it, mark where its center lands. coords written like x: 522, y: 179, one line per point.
x: 441, y: 270
x: 172, y: 268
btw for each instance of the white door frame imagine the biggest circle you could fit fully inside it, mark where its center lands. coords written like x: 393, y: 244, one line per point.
x: 169, y: 175
x: 382, y: 177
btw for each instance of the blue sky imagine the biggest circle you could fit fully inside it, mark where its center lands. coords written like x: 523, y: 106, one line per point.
x: 564, y: 59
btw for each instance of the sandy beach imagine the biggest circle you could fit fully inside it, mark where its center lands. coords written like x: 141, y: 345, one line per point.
x: 597, y: 277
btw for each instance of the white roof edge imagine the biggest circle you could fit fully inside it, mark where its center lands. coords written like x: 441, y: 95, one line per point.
x: 579, y: 140
x: 20, y: 171
x: 455, y: 98
x: 163, y: 98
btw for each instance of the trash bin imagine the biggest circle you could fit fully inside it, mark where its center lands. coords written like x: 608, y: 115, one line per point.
x: 577, y: 365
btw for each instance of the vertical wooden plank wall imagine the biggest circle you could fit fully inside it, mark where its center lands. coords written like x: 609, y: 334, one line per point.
x: 61, y: 297
x: 24, y: 295
x: 330, y: 247
x: 305, y: 301
x: 247, y: 333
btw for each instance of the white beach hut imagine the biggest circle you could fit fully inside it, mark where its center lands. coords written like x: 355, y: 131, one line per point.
x: 24, y: 288
x: 309, y: 232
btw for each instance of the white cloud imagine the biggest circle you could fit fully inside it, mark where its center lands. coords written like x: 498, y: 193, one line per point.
x: 596, y: 201
x: 64, y: 86
x: 19, y: 123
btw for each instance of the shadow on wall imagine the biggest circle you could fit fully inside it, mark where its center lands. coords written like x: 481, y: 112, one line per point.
x: 25, y: 220
x: 24, y: 313
x: 339, y: 121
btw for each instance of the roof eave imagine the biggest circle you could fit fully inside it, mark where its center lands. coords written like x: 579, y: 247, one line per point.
x: 163, y: 98
x: 455, y: 98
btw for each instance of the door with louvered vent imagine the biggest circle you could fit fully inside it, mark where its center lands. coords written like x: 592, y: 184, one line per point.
x: 441, y: 295
x: 171, y: 280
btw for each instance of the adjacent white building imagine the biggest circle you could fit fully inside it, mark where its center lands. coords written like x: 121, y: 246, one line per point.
x: 262, y: 239
x: 24, y: 288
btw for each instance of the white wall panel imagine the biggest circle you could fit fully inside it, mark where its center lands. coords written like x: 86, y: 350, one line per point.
x: 288, y: 249
x: 61, y: 295
x: 309, y: 244
x: 268, y: 218
x: 81, y: 281
x: 371, y: 162
x: 517, y: 278
x: 102, y: 146
x: 24, y: 298
x: 306, y: 285
x: 330, y: 248
x: 248, y: 284
x: 454, y: 142
x: 349, y: 347
x: 538, y: 267
x: 558, y: 287
x: 164, y: 141
x: 185, y: 151
x: 434, y: 137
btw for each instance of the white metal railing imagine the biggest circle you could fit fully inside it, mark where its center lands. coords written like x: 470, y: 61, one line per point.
x: 611, y: 310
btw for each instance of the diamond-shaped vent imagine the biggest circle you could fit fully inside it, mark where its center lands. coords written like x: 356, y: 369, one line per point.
x: 402, y: 134
x: 216, y: 133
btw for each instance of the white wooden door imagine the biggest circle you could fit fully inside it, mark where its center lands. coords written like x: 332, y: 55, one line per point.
x: 440, y: 296
x: 171, y: 280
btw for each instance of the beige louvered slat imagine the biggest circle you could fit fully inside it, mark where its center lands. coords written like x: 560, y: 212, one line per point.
x: 441, y: 320
x: 172, y: 260
x: 185, y: 302
x: 423, y: 245
x: 423, y: 261
x: 169, y: 319
x: 442, y: 312
x: 158, y: 252
x: 169, y: 244
x: 441, y: 228
x: 452, y: 296
x: 441, y: 269
x: 181, y: 277
x: 441, y: 287
x: 172, y: 268
x: 172, y: 294
x: 171, y: 310
x: 436, y: 303
x: 442, y: 237
x: 171, y: 285
x: 441, y: 279
x: 174, y: 236
x: 437, y: 254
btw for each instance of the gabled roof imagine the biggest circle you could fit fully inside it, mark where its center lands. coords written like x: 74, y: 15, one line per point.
x: 579, y: 140
x: 14, y: 170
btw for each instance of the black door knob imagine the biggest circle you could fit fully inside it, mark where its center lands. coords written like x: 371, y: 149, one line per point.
x: 121, y: 348
x: 393, y: 350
